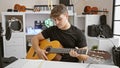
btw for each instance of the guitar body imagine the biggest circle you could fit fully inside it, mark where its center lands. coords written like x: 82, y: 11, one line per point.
x: 21, y: 8
x: 94, y: 10
x: 87, y: 9
x: 44, y: 44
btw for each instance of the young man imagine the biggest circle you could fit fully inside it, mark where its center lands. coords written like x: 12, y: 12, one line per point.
x: 68, y: 35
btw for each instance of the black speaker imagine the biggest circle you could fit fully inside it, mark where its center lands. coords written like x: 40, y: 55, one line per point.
x: 65, y: 2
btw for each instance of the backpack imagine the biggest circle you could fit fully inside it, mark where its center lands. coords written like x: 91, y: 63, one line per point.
x: 93, y: 30
x: 102, y: 30
x: 105, y: 31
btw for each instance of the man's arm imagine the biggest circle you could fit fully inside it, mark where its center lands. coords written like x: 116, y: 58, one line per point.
x: 83, y: 57
x: 35, y: 43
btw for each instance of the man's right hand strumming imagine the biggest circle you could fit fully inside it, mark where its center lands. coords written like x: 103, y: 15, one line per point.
x: 42, y: 54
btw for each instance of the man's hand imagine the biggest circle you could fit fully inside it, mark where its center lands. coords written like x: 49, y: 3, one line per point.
x: 42, y: 54
x: 81, y: 57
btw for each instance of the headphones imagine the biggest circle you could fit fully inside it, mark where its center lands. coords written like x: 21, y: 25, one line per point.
x: 15, y: 24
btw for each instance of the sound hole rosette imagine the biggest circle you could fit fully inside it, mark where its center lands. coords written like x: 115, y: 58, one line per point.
x: 15, y: 24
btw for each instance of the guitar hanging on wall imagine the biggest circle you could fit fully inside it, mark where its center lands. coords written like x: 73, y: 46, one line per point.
x: 21, y: 8
x: 54, y: 47
x: 93, y: 10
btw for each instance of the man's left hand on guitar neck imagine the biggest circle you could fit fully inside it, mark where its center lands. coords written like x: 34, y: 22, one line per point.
x: 81, y: 57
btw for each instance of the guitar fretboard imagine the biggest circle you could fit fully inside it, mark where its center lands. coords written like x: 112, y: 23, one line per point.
x: 66, y: 50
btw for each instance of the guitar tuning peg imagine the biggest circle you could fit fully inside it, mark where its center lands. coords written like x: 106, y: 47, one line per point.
x: 102, y: 52
x: 97, y: 56
x: 98, y: 52
x: 93, y: 55
x: 101, y: 57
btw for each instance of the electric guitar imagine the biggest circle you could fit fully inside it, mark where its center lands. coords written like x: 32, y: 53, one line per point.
x: 54, y: 47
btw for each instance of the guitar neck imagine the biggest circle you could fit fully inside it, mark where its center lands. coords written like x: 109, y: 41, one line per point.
x: 28, y: 8
x: 65, y: 50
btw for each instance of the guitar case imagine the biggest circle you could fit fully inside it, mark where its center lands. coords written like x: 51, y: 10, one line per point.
x: 103, y: 20
x: 105, y: 29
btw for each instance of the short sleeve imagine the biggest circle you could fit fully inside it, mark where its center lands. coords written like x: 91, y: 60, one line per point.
x: 46, y: 32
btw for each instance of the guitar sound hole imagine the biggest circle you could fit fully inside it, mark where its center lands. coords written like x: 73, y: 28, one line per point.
x: 48, y: 48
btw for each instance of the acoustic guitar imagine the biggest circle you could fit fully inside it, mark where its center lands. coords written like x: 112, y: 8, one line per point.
x: 54, y: 47
x: 93, y: 10
x: 87, y: 9
x: 21, y: 8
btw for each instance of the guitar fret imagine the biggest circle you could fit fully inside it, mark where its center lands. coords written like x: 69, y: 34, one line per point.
x: 83, y: 51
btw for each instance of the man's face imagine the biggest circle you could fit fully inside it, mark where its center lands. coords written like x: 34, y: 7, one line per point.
x: 61, y: 21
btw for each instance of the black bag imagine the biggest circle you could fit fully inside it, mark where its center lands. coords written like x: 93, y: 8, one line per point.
x: 93, y: 30
x: 105, y: 31
x: 116, y: 55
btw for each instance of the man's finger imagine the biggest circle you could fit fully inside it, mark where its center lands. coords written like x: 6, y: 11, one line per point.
x: 45, y: 57
x: 76, y: 48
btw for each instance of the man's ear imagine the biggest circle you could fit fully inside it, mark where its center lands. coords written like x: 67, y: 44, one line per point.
x: 66, y: 14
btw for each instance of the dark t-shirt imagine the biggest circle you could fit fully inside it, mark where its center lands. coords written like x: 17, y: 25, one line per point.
x: 71, y: 38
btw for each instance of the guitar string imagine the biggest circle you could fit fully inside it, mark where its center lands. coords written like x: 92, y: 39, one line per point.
x: 58, y: 50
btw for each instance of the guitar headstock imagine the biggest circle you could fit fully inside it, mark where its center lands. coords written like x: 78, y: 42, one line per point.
x: 100, y: 54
